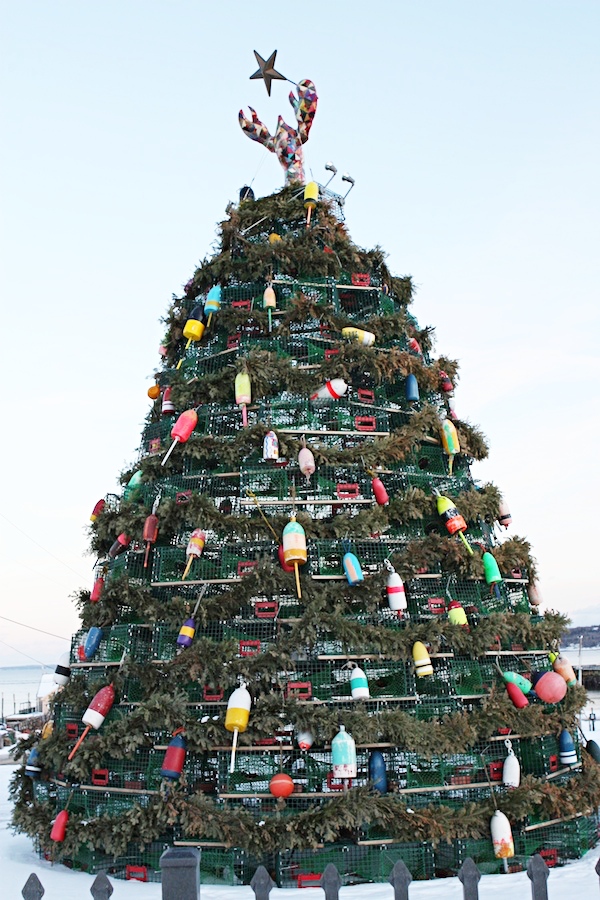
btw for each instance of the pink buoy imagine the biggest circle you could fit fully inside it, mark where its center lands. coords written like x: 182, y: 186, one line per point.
x: 551, y: 687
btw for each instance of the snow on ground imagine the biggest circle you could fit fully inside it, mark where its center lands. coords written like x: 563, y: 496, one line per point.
x: 577, y: 880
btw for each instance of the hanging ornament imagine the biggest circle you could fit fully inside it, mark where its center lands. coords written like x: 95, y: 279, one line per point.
x: 351, y: 566
x: 421, y: 659
x: 452, y: 519
x: 120, y: 545
x: 59, y: 826
x: 566, y: 749
x: 269, y: 303
x: 491, y: 572
x: 174, y: 758
x: 516, y: 695
x: 305, y: 740
x: 382, y: 497
x: 366, y: 338
x: 331, y: 390
x: 47, y: 729
x: 415, y: 346
x: 192, y: 330
x: 452, y: 409
x: 412, y: 389
x: 445, y: 384
x: 181, y: 430
x: 88, y: 649
x: 343, y: 755
x: 502, y: 838
x: 95, y: 714
x: 306, y: 461
x: 132, y: 486
x: 154, y: 391
x: 167, y: 407
x: 522, y: 683
x: 593, y: 749
x: 294, y: 548
x: 563, y: 667
x: 212, y: 304
x: 243, y: 394
x: 504, y: 516
x: 188, y: 629
x: 511, y: 770
x: 62, y: 673
x: 270, y: 446
x: 237, y: 716
x: 311, y: 195
x: 450, y: 442
x: 550, y: 687
x: 274, y: 238
x: 194, y: 549
x: 457, y: 615
x: 377, y: 772
x: 533, y: 594
x: 281, y: 785
x: 97, y: 510
x: 150, y: 532
x: 359, y: 686
x: 97, y: 589
x: 33, y: 768
x: 394, y: 588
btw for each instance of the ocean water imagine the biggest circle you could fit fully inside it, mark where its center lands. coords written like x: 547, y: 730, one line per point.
x: 18, y: 686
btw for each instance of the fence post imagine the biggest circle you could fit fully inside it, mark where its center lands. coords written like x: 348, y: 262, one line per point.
x: 538, y: 874
x: 180, y: 873
x: 400, y: 880
x: 331, y: 882
x: 101, y: 888
x: 32, y: 889
x: 469, y: 876
x: 261, y: 884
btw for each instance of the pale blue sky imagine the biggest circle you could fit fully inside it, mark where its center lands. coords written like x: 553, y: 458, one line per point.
x: 471, y: 129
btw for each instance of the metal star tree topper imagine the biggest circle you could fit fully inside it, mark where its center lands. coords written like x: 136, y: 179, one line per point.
x: 287, y: 141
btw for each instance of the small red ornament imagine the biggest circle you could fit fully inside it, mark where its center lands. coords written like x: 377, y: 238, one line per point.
x: 518, y: 698
x: 97, y: 589
x: 281, y: 785
x: 59, y: 828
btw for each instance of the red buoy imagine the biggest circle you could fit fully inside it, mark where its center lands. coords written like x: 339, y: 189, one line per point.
x: 281, y: 785
x: 379, y: 492
x: 59, y: 828
x: 518, y: 698
x: 97, y: 589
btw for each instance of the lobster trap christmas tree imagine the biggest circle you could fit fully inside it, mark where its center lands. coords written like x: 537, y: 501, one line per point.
x: 310, y: 637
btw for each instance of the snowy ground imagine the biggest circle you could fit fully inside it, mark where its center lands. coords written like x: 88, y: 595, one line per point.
x: 576, y: 881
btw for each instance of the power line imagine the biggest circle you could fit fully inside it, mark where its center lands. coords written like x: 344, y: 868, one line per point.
x: 37, y: 543
x: 33, y: 628
x: 16, y: 649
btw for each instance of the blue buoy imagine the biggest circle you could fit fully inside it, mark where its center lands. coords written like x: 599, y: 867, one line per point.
x: 377, y: 773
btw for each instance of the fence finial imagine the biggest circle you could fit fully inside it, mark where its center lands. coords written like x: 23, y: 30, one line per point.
x: 32, y: 889
x: 538, y: 874
x: 261, y: 884
x: 101, y: 888
x: 331, y: 882
x: 400, y: 880
x: 469, y: 876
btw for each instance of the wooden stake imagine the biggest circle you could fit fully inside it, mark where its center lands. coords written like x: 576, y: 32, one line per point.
x: 188, y: 566
x: 297, y: 580
x: 79, y: 743
x: 233, y: 749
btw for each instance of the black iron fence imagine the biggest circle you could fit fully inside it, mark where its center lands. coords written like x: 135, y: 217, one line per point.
x: 181, y: 880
